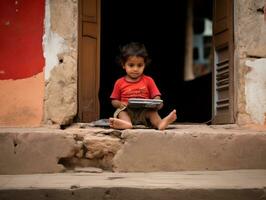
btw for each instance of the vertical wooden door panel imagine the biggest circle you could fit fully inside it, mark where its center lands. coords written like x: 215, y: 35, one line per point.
x: 88, y: 86
x: 89, y: 10
x: 89, y: 97
x: 223, y: 76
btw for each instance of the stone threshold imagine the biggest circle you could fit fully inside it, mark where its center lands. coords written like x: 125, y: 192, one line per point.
x: 189, y: 185
x: 178, y: 148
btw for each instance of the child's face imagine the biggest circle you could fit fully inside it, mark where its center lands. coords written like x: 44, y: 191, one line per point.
x: 134, y: 67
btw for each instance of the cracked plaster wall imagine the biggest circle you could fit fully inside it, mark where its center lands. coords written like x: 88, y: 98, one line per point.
x: 60, y: 52
x: 250, y: 62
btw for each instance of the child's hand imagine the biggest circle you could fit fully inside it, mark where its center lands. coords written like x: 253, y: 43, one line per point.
x: 122, y: 105
x: 118, y: 104
x: 160, y: 106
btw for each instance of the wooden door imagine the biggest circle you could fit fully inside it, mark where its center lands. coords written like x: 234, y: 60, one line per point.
x: 223, y: 67
x: 88, y: 70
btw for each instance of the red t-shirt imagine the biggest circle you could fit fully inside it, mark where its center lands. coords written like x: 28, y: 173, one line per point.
x: 144, y: 88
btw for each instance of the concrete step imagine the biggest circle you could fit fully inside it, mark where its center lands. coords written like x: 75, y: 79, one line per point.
x: 189, y: 185
x: 179, y: 148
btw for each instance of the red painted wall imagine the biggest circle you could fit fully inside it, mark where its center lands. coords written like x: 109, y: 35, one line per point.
x: 21, y: 32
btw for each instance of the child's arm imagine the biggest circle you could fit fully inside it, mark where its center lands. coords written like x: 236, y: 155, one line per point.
x: 118, y: 104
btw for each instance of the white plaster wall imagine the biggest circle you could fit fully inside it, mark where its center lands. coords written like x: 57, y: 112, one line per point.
x: 250, y: 55
x: 53, y: 44
x: 255, y: 90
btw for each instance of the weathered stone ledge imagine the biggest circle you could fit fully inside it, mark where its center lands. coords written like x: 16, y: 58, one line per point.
x: 181, y: 147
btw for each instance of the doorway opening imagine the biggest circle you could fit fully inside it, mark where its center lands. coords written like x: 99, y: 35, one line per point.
x: 162, y: 28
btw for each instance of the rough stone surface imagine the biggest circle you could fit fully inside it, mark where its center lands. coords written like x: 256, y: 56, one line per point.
x: 61, y: 86
x: 195, y: 148
x: 250, y: 27
x: 88, y: 169
x: 218, y: 185
x: 95, y: 147
x: 99, y: 147
x: 27, y: 151
x: 181, y: 147
x: 61, y: 92
x: 49, y: 149
x: 64, y: 16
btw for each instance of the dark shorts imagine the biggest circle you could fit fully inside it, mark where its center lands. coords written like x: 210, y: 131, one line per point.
x: 137, y: 115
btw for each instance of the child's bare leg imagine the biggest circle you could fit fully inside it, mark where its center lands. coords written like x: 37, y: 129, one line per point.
x: 123, y: 122
x: 171, y: 117
x: 154, y: 118
x: 159, y: 123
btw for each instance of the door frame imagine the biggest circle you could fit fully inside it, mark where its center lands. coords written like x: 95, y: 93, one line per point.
x: 80, y: 56
x: 214, y: 100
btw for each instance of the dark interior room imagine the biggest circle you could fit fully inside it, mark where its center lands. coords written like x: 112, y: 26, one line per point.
x: 161, y: 26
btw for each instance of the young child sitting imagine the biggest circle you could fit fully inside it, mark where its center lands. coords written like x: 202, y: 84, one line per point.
x: 135, y: 84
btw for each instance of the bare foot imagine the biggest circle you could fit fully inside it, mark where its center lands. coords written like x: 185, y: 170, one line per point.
x: 167, y: 120
x: 119, y: 124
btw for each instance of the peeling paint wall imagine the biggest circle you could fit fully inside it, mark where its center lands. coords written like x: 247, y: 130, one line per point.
x: 60, y: 52
x: 250, y: 52
x: 53, y: 44
x: 22, y: 63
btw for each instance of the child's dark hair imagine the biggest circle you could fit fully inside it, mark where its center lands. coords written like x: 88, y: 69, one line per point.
x: 133, y: 49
